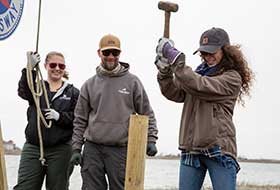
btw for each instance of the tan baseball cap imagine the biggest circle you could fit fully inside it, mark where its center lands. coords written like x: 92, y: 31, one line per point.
x: 109, y: 41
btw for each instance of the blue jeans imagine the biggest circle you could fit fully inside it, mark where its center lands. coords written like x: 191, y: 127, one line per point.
x: 222, y: 173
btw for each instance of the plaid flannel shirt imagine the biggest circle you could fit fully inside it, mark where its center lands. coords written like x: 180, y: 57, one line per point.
x: 192, y: 158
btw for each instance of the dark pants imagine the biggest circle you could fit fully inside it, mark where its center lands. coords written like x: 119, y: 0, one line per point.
x: 99, y: 160
x: 31, y: 173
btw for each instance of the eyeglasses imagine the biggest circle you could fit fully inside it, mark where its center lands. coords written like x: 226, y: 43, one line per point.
x: 54, y: 65
x: 114, y: 52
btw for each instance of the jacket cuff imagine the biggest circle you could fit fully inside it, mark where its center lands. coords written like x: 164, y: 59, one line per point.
x: 152, y: 139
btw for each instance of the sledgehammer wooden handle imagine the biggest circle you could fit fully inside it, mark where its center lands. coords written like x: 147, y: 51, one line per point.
x: 166, y: 24
x: 167, y: 7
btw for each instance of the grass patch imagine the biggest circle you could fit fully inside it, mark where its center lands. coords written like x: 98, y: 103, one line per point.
x: 240, y: 186
x: 247, y: 186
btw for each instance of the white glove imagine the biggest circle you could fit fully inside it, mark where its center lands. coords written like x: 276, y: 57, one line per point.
x: 33, y: 58
x: 51, y: 114
x: 162, y: 64
x: 163, y: 45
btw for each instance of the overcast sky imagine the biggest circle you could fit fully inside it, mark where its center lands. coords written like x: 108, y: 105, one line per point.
x: 75, y: 28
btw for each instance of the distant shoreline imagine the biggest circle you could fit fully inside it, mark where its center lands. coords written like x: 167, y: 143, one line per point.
x: 264, y: 161
x: 176, y: 157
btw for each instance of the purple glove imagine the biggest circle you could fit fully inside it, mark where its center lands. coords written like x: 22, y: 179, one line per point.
x: 163, y: 43
x: 166, y: 49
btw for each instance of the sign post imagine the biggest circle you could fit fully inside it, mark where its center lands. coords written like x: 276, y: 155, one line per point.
x: 136, y: 152
x: 3, y: 176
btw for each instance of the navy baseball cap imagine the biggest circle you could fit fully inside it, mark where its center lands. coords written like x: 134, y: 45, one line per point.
x: 213, y: 39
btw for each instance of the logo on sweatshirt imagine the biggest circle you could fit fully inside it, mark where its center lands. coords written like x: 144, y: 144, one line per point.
x: 64, y: 97
x: 10, y: 14
x: 123, y: 91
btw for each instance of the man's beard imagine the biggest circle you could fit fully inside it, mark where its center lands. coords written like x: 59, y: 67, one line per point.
x: 109, y: 66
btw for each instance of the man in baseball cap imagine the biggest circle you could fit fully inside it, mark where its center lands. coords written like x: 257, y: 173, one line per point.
x: 109, y: 52
x: 102, y: 116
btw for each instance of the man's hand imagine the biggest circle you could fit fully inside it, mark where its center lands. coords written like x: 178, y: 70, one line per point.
x: 51, y: 114
x: 151, y: 149
x: 33, y: 58
x: 76, y: 157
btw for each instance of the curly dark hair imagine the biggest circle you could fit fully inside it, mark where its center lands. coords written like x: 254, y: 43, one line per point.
x: 236, y: 60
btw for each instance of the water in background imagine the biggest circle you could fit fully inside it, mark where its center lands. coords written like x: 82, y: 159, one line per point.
x: 163, y: 174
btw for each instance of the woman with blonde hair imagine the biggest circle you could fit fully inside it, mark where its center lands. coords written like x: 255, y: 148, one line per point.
x: 56, y: 140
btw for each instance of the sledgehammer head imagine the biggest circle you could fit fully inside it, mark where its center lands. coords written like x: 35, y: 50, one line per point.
x: 168, y: 6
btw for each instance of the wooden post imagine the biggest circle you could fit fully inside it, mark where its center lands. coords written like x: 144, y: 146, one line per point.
x: 3, y: 176
x: 136, y: 152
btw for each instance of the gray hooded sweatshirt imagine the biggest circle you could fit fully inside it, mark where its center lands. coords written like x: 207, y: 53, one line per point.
x: 104, y: 107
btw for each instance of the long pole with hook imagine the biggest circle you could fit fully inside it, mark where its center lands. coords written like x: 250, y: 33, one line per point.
x: 38, y: 26
x: 39, y: 74
x: 42, y: 159
x: 40, y: 90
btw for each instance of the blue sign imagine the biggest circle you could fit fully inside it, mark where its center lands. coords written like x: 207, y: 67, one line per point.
x: 10, y: 14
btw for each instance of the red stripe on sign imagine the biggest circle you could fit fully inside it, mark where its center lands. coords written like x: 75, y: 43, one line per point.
x: 5, y: 3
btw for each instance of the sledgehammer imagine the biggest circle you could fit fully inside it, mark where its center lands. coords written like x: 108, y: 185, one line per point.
x: 167, y: 7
